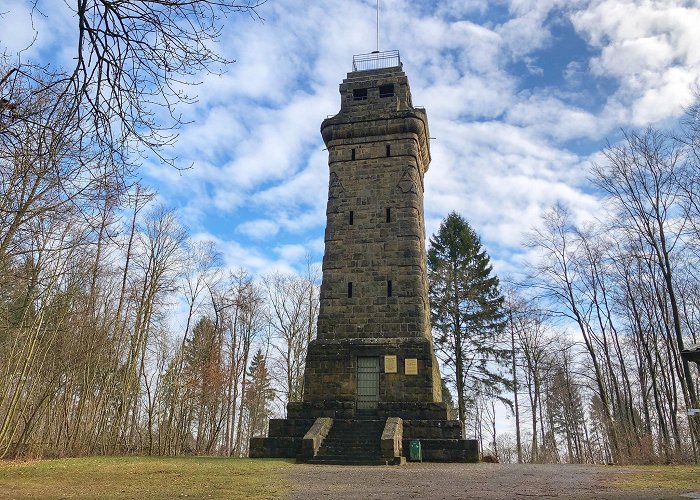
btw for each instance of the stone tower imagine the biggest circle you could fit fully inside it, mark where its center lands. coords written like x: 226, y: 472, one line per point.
x: 372, y: 368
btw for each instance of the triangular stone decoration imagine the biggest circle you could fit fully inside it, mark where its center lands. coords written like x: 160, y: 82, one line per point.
x: 407, y: 184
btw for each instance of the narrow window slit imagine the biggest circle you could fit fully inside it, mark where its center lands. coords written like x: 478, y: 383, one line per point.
x: 388, y: 288
x: 388, y: 215
x: 388, y: 149
x: 352, y: 154
x: 349, y: 289
x: 352, y: 218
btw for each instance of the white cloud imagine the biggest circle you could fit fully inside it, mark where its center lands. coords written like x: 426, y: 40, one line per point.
x: 667, y: 98
x: 307, y: 188
x: 459, y: 8
x: 548, y: 116
x: 292, y: 253
x: 36, y: 30
x: 501, y: 178
x: 255, y: 261
x: 651, y: 48
x: 259, y: 229
x: 501, y: 154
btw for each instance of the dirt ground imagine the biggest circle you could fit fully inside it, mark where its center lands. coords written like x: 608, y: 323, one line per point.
x: 481, y: 481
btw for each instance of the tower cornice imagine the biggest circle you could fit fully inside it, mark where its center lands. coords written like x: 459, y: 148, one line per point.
x: 344, y: 127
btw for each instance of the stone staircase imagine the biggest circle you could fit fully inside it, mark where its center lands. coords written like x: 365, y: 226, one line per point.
x: 352, y: 442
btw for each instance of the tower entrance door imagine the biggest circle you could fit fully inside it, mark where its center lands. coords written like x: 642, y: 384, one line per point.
x: 367, y: 383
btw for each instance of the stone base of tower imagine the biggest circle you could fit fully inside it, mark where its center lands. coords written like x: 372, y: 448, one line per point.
x: 331, y: 387
x: 440, y: 438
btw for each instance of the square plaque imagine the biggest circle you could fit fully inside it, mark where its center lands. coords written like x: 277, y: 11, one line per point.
x: 411, y: 366
x: 390, y: 364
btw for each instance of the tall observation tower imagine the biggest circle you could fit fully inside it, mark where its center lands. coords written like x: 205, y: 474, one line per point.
x: 372, y: 383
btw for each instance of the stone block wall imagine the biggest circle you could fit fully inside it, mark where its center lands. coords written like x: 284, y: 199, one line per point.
x: 374, y: 267
x: 331, y: 371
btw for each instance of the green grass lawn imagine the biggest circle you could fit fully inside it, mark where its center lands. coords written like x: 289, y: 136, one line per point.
x: 149, y: 478
x: 668, y: 477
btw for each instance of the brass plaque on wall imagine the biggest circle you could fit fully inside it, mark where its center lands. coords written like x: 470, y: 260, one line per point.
x: 411, y: 366
x: 390, y: 364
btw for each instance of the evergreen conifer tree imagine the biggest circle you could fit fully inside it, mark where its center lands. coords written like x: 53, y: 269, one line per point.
x: 467, y: 309
x: 259, y: 394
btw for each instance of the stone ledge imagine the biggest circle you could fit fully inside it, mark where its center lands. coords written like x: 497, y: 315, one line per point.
x: 274, y: 447
x: 289, y: 427
x: 314, y: 438
x: 432, y: 429
x: 392, y: 440
x: 337, y: 408
x: 447, y: 450
x: 432, y: 411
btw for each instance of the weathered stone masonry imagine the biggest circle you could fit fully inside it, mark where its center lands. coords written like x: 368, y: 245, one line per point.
x: 374, y: 294
x: 378, y: 153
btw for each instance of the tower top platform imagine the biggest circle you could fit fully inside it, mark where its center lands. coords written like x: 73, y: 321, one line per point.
x: 376, y: 60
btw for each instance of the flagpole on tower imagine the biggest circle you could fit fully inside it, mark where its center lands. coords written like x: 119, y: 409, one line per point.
x: 377, y: 25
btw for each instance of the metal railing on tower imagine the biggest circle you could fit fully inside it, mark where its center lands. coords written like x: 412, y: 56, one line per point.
x: 376, y: 60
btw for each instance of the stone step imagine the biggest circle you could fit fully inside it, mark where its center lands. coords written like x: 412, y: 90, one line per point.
x: 350, y: 453
x: 356, y: 432
x: 352, y: 441
x: 347, y: 460
x: 363, y: 441
x: 349, y: 450
x: 333, y: 440
x: 350, y: 435
x: 358, y: 423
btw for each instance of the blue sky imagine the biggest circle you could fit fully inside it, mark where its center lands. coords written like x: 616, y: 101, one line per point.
x: 520, y: 96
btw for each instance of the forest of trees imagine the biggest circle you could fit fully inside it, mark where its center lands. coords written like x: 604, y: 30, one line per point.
x: 120, y: 333
x: 90, y: 361
x: 597, y: 322
x: 586, y: 352
x: 92, y: 270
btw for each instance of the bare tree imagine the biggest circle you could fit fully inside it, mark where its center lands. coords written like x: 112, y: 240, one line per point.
x: 641, y: 178
x: 133, y: 59
x: 293, y: 304
x: 558, y: 277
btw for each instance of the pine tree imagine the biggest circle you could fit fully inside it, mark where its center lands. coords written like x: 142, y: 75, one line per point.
x: 466, y: 309
x: 259, y: 394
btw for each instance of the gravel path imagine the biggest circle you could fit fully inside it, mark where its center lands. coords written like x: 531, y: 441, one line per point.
x: 477, y: 481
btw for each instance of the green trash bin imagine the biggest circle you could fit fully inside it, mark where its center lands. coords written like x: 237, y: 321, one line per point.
x: 415, y: 453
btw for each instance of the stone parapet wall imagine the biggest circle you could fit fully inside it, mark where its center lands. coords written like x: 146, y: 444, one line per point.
x: 432, y: 429
x: 275, y: 447
x: 413, y: 411
x: 447, y: 450
x: 290, y: 427
x: 326, y: 408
